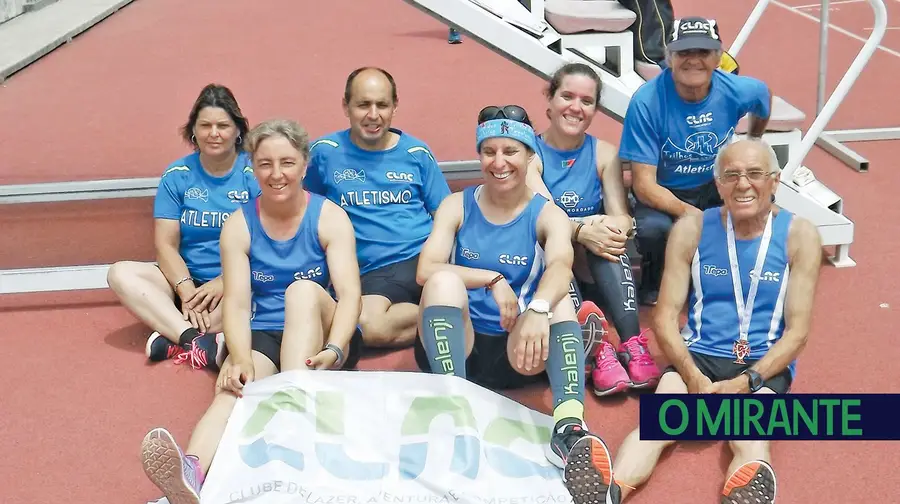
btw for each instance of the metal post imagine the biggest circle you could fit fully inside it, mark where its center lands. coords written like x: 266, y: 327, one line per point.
x: 816, y: 134
x: 830, y: 141
x: 748, y: 27
x: 823, y: 56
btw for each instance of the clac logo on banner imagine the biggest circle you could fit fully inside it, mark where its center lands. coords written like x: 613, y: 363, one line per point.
x: 498, y: 437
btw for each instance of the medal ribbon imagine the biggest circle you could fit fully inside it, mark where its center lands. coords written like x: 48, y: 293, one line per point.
x: 745, y: 311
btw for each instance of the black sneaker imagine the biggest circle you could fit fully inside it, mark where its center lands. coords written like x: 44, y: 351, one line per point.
x: 585, y: 461
x: 206, y: 351
x: 752, y: 482
x: 159, y: 348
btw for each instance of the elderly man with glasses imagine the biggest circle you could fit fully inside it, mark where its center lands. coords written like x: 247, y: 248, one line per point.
x: 748, y: 271
x: 675, y: 125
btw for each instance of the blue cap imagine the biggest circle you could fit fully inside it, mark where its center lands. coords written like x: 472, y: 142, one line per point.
x: 506, y: 129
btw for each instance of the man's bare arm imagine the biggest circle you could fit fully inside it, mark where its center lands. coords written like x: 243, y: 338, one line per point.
x: 757, y: 125
x: 673, y: 293
x: 648, y: 190
x: 805, y: 249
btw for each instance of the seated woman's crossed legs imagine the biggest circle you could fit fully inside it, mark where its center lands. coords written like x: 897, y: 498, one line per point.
x: 178, y: 331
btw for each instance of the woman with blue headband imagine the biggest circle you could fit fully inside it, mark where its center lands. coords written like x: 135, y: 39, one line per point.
x: 495, y: 307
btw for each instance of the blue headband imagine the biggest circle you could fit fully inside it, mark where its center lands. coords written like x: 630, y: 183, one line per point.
x: 507, y: 129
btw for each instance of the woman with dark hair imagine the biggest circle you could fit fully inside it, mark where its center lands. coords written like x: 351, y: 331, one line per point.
x: 179, y: 296
x: 583, y: 176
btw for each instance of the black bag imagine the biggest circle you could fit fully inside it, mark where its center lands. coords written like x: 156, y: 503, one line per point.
x: 652, y: 29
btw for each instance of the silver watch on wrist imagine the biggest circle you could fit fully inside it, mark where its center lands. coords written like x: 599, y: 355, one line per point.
x: 541, y: 306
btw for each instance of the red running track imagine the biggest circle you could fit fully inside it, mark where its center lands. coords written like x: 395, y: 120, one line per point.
x: 83, y: 396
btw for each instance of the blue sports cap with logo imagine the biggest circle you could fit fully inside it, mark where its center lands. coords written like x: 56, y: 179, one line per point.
x: 695, y: 33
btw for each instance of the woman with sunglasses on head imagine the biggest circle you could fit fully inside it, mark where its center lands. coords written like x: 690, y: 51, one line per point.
x: 281, y: 252
x: 495, y: 307
x: 583, y: 176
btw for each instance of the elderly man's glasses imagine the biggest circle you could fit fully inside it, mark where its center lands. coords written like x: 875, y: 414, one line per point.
x: 731, y: 177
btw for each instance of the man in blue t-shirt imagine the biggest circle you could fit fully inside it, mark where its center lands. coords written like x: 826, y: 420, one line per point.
x: 389, y: 184
x: 674, y: 127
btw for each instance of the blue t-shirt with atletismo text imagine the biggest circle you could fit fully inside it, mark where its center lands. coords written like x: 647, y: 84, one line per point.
x: 202, y: 203
x: 389, y: 195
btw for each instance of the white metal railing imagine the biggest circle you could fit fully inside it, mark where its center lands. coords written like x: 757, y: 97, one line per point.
x: 748, y: 27
x: 842, y: 89
x: 831, y: 140
x: 826, y: 109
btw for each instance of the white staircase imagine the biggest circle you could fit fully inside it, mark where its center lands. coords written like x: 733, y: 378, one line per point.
x: 550, y: 33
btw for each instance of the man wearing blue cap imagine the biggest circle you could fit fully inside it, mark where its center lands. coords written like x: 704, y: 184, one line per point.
x: 674, y: 127
x: 495, y: 305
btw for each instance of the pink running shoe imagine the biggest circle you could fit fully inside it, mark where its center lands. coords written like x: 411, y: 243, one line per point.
x: 177, y: 475
x: 608, y: 377
x: 635, y: 355
x: 594, y: 329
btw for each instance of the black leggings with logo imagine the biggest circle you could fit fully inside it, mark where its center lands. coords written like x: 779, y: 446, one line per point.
x: 616, y: 291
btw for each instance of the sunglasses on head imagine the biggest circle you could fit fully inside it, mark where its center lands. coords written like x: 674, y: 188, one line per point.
x: 510, y: 112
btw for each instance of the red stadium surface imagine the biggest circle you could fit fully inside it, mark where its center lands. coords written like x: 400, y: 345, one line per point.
x: 79, y: 396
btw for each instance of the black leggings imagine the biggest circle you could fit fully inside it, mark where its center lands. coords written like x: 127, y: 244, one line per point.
x: 615, y: 286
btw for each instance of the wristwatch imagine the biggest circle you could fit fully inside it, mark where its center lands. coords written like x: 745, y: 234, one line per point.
x: 541, y: 306
x: 755, y: 379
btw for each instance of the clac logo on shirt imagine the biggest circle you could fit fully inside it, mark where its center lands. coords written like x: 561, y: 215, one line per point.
x: 349, y: 175
x: 239, y: 196
x: 768, y: 276
x: 513, y: 260
x: 308, y: 274
x: 197, y: 193
x: 699, y: 120
x: 399, y: 176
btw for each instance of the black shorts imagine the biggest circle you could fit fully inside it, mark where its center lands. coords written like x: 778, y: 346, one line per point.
x: 703, y: 197
x: 724, y: 368
x: 268, y: 343
x: 397, y: 282
x: 487, y: 365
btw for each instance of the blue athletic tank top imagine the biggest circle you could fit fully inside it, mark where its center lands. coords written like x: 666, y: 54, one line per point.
x: 571, y: 177
x: 511, y: 249
x: 713, y: 320
x: 276, y: 264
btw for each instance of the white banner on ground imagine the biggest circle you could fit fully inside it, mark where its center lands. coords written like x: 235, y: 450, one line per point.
x: 338, y: 437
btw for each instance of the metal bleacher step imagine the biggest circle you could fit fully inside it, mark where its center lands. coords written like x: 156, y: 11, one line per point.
x: 33, y: 34
x: 596, y: 32
x: 580, y: 17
